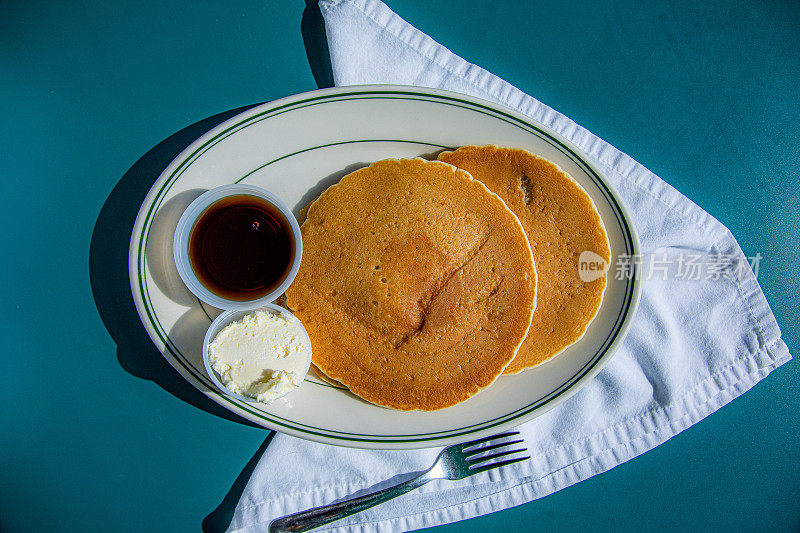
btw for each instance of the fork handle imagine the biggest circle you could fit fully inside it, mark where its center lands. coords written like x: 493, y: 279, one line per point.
x: 306, y: 520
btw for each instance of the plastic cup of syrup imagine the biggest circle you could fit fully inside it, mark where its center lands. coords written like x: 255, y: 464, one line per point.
x: 237, y: 247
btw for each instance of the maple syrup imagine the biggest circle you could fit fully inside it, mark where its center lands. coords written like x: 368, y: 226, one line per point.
x: 241, y: 247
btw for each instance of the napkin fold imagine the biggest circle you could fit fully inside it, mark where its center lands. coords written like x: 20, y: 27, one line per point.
x: 702, y: 335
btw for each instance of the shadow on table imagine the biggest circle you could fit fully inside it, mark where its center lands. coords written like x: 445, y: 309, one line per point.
x: 108, y: 264
x: 312, y: 27
x: 219, y: 519
x: 108, y: 269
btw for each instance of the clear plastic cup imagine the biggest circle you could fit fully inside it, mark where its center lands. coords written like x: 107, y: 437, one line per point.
x: 180, y: 246
x: 232, y: 316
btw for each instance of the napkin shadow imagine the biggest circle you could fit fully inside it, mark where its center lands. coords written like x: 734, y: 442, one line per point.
x: 312, y: 27
x: 220, y: 518
x: 108, y: 269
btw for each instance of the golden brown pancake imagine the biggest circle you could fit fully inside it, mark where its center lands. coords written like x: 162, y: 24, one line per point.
x: 417, y: 284
x: 561, y: 222
x: 321, y: 375
x: 301, y: 218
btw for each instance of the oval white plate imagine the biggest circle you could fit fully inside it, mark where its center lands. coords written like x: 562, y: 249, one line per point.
x: 295, y: 148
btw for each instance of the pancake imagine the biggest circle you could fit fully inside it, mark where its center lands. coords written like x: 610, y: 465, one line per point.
x: 301, y: 218
x: 321, y: 375
x: 417, y: 284
x: 561, y: 222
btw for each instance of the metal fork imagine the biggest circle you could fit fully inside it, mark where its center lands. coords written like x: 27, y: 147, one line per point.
x: 454, y: 462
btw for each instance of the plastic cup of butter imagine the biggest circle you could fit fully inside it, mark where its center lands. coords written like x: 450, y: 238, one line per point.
x: 303, y: 357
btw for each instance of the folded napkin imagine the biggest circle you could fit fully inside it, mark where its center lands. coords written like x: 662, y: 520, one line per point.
x: 702, y: 336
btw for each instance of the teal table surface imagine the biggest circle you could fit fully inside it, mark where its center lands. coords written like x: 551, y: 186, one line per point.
x: 99, y: 434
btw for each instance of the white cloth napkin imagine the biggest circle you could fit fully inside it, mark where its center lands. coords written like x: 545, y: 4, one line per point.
x: 694, y: 345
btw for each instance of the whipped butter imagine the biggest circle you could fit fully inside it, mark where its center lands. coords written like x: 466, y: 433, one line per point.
x: 264, y: 355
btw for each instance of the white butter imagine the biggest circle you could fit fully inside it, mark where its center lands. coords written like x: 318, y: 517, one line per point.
x: 263, y: 356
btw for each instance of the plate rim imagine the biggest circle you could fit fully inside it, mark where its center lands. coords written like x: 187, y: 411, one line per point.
x: 392, y: 441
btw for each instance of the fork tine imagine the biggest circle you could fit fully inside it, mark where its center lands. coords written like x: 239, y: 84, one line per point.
x: 492, y: 447
x: 494, y: 456
x: 466, y: 445
x: 498, y: 465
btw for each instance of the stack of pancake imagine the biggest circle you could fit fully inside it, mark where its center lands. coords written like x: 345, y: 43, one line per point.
x: 423, y: 281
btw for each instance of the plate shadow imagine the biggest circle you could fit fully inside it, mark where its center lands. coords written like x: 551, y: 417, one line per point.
x: 108, y: 269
